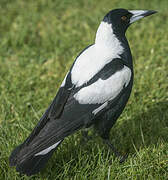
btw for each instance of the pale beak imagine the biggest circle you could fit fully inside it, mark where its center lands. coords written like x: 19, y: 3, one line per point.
x: 138, y: 14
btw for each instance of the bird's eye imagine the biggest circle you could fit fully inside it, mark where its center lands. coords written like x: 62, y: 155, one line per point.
x: 124, y: 18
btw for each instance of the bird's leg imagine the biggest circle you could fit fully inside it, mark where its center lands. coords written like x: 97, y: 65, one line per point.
x: 114, y: 150
x: 85, y: 135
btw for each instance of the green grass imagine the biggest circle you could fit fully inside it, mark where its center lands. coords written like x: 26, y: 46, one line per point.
x: 38, y: 43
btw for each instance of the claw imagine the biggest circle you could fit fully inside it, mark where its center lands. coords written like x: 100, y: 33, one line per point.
x: 123, y: 158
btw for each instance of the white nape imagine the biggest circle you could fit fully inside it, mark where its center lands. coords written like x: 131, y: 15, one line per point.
x: 47, y: 150
x: 105, y: 37
x: 104, y: 90
x: 106, y: 48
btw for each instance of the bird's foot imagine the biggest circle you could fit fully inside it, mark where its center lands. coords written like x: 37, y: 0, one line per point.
x: 116, y: 153
x: 123, y: 158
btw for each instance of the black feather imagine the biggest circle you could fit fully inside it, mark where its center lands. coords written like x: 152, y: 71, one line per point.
x: 34, y: 164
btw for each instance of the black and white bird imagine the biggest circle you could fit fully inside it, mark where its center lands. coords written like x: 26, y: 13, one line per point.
x: 93, y: 93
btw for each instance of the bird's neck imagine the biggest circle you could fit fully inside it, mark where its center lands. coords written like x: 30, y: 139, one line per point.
x: 109, y: 41
x: 126, y: 55
x: 105, y: 36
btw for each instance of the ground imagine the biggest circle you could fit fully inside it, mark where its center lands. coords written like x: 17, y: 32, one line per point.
x: 38, y: 43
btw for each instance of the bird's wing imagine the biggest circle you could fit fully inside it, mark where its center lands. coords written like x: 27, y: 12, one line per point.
x: 55, y: 109
x: 57, y: 105
x: 77, y: 107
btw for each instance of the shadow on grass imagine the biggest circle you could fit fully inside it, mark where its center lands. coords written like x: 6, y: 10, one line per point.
x: 146, y: 129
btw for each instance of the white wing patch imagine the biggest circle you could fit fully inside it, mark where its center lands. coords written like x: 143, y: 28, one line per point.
x: 100, y: 108
x: 104, y: 90
x: 106, y: 48
x: 45, y: 151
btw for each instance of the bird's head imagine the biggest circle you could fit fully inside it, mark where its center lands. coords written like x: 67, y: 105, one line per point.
x: 121, y: 19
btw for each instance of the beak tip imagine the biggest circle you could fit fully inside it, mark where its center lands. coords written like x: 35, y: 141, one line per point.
x: 150, y: 12
x: 138, y: 14
x: 154, y: 11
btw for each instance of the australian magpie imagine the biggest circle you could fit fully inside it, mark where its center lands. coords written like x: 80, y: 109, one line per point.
x: 93, y: 93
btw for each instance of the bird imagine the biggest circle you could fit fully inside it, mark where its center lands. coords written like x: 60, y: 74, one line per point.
x: 93, y: 94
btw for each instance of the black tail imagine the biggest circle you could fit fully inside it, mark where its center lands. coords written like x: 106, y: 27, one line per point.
x: 32, y: 155
x: 32, y: 165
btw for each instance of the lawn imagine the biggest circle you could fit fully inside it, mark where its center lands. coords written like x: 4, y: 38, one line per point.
x: 39, y: 41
